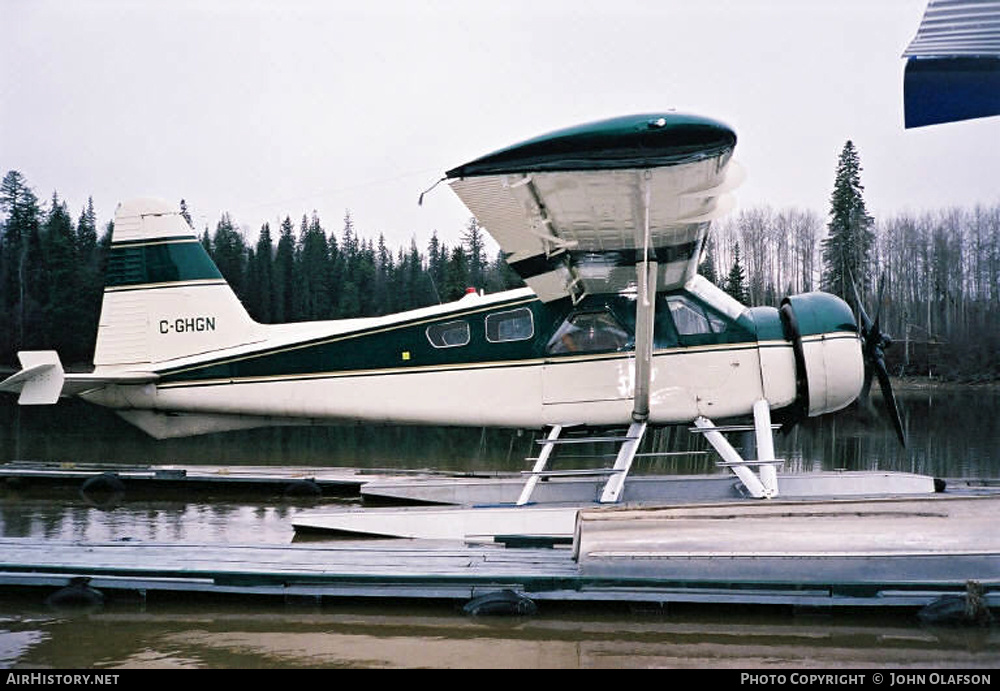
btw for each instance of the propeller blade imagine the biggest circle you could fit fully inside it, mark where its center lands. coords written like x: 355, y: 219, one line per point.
x: 890, y: 400
x: 873, y: 345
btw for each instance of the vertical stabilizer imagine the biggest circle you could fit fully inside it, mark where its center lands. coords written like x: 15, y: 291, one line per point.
x: 164, y: 298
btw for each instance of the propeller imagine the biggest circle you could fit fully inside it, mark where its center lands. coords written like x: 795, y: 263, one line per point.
x: 873, y: 345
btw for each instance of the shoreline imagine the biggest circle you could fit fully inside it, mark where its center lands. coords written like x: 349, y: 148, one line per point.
x: 928, y: 383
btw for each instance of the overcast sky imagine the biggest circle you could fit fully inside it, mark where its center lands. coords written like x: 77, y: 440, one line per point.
x: 268, y: 109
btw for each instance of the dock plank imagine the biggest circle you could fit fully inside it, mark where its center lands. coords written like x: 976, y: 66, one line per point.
x: 429, y: 559
x: 338, y: 481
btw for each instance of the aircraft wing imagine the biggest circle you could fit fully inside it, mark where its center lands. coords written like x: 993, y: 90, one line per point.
x: 953, y: 63
x: 42, y: 380
x: 575, y: 210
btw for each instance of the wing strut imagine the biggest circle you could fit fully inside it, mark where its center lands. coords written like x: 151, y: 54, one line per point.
x: 645, y: 308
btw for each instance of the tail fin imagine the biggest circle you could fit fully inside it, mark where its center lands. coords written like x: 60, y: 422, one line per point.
x: 164, y: 297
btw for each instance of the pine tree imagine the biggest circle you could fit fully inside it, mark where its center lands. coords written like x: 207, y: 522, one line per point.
x: 437, y: 258
x: 260, y: 282
x: 335, y: 274
x: 707, y: 266
x: 475, y: 254
x: 848, y: 245
x: 384, y: 297
x: 86, y: 229
x: 500, y: 276
x: 421, y: 290
x: 349, y: 303
x: 313, y: 271
x: 59, y: 285
x: 33, y: 284
x: 284, y: 274
x: 736, y: 281
x: 90, y: 278
x: 456, y: 275
x: 21, y: 223
x: 230, y: 254
x: 366, y: 275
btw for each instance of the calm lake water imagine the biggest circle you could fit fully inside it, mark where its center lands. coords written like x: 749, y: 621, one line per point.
x: 951, y: 434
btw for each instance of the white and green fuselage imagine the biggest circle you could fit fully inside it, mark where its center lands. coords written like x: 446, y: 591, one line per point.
x: 177, y: 353
x: 507, y: 359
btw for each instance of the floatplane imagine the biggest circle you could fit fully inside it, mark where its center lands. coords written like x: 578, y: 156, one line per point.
x: 606, y: 223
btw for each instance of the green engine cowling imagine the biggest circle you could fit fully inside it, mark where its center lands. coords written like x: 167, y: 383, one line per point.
x: 829, y: 362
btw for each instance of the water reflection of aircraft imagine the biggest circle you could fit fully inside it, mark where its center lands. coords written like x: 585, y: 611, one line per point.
x: 606, y: 224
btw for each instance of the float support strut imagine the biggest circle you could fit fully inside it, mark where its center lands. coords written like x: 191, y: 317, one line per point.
x: 765, y: 486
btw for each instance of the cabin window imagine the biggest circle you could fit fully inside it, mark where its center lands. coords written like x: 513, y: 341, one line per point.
x: 718, y: 323
x: 448, y: 334
x: 691, y: 320
x: 514, y: 325
x: 588, y: 332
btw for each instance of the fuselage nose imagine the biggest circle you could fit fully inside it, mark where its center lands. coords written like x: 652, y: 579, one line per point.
x: 825, y: 335
x: 834, y: 369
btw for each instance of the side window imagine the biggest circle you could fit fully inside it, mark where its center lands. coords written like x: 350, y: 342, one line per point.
x: 719, y: 325
x: 588, y: 332
x: 448, y: 334
x: 690, y: 319
x: 515, y: 325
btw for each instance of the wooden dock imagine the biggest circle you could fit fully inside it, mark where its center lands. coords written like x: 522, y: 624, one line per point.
x: 878, y: 553
x: 190, y: 479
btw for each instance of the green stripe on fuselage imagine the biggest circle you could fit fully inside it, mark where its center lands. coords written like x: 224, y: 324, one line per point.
x: 403, y: 345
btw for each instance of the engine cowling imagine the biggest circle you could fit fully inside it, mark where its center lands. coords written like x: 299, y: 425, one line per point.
x: 829, y: 363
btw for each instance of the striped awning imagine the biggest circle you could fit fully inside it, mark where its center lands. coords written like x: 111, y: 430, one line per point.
x: 955, y: 28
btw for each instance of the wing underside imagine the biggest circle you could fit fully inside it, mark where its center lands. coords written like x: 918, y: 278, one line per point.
x: 583, y: 230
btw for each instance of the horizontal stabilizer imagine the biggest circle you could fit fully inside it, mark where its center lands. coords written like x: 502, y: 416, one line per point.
x: 42, y: 379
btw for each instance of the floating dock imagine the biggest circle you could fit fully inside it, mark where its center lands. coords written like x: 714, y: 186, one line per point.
x: 700, y: 542
x: 871, y: 553
x: 662, y: 489
x: 263, y: 480
x: 478, y: 509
